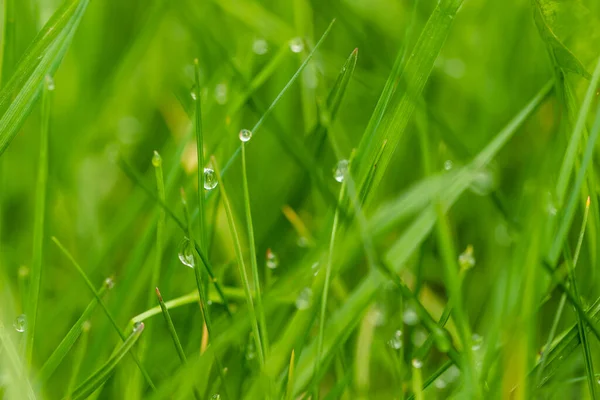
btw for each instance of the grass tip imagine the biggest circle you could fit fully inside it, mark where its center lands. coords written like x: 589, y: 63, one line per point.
x: 158, y: 294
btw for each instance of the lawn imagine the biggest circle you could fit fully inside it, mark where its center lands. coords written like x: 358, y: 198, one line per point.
x: 303, y: 199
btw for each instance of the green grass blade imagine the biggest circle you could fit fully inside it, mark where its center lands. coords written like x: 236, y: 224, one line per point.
x: 106, y: 310
x: 289, y: 392
x: 171, y: 327
x: 78, y: 359
x: 240, y: 261
x: 98, y: 378
x: 7, y: 51
x: 17, y: 371
x: 413, y: 79
x: 253, y: 260
x: 39, y: 221
x: 69, y: 340
x: 200, y: 157
x: 160, y: 224
x: 41, y: 59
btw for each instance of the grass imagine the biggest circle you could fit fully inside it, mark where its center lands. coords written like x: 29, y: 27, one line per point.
x: 465, y: 125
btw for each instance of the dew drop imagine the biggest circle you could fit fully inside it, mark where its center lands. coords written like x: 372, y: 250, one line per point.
x: 448, y: 164
x: 221, y: 93
x: 272, y: 259
x: 483, y: 182
x: 340, y: 170
x: 23, y: 271
x: 210, y: 179
x: 193, y: 93
x: 466, y: 260
x: 250, y: 351
x: 410, y: 316
x: 109, y: 283
x: 260, y: 47
x: 315, y: 268
x: 440, y: 383
x: 419, y: 337
x: 87, y: 325
x: 304, y: 299
x: 476, y: 342
x: 396, y: 341
x: 296, y: 45
x: 186, y: 253
x: 138, y: 327
x: 49, y: 83
x: 20, y: 323
x: 215, y: 396
x: 156, y: 159
x: 245, y: 135
x: 416, y: 363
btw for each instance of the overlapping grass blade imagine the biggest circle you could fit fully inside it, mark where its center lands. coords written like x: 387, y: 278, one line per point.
x: 101, y: 375
x: 41, y: 58
x: 106, y: 310
x: 20, y: 385
x: 78, y: 359
x: 69, y: 340
x: 39, y: 221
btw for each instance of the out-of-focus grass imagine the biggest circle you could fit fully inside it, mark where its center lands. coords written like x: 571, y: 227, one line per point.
x: 470, y: 125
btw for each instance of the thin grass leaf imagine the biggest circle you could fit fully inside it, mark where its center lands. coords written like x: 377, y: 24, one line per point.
x: 253, y: 261
x: 106, y: 311
x: 69, y: 340
x: 78, y: 359
x: 39, y: 221
x: 98, y: 378
x: 200, y: 158
x: 414, y: 76
x: 544, y: 13
x: 7, y: 51
x: 20, y: 384
x: 431, y: 378
x: 240, y: 261
x: 160, y: 223
x: 41, y: 58
x: 289, y: 392
x: 171, y: 327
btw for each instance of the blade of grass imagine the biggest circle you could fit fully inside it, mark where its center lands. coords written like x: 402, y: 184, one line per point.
x: 17, y: 372
x: 253, y: 261
x: 41, y: 58
x: 78, y: 359
x: 39, y: 222
x: 7, y: 55
x: 240, y: 261
x: 106, y: 311
x: 204, y: 306
x: 101, y: 375
x: 160, y: 224
x: 69, y: 340
x: 414, y: 76
x: 200, y: 157
x: 289, y: 392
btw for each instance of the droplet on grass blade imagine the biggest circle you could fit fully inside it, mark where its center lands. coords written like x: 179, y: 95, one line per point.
x: 396, y: 341
x: 272, y: 259
x: 340, y: 171
x: 109, y: 283
x: 49, y: 82
x: 483, y: 182
x: 210, y: 179
x: 419, y: 337
x: 296, y: 45
x: 416, y: 363
x: 304, y: 299
x: 215, y: 396
x: 20, y: 323
x: 476, y: 342
x: 156, y: 159
x: 260, y: 47
x: 138, y: 327
x: 410, y: 316
x: 221, y: 93
x: 466, y: 260
x: 193, y: 93
x: 245, y: 135
x: 186, y: 253
x: 448, y: 164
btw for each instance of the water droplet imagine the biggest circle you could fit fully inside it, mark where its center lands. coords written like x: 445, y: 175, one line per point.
x: 87, y: 325
x: 156, y: 159
x: 315, y: 268
x: 215, y: 396
x: 251, y: 351
x: 23, y: 271
x: 396, y: 341
x: 296, y: 45
x: 466, y: 260
x: 416, y: 363
x: 210, y: 179
x: 304, y: 299
x: 419, y: 337
x: 186, y: 253
x: 20, y: 323
x: 410, y: 316
x: 260, y: 46
x: 448, y: 164
x: 302, y: 242
x: 49, y: 83
x: 245, y: 135
x: 483, y: 182
x: 272, y: 259
x: 109, y: 283
x: 440, y: 383
x: 377, y: 315
x: 138, y: 327
x: 193, y: 93
x: 476, y: 342
x: 340, y: 171
x: 221, y: 93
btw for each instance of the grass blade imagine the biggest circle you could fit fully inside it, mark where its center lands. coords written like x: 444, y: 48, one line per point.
x: 41, y: 58
x: 106, y: 311
x: 39, y: 221
x: 289, y: 392
x: 200, y: 158
x: 253, y: 261
x: 171, y: 327
x: 101, y: 375
x: 70, y: 338
x: 78, y: 359
x: 240, y: 261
